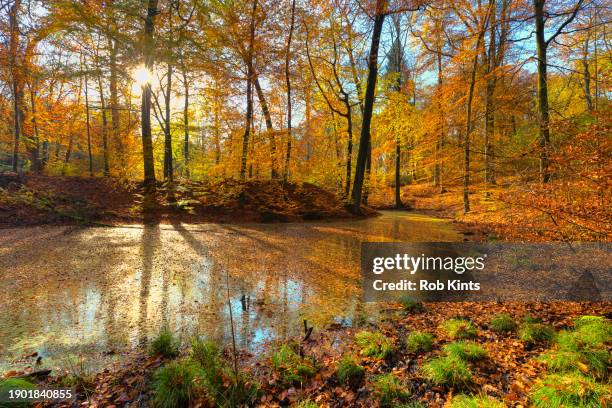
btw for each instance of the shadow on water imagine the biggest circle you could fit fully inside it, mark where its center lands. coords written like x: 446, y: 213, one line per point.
x: 88, y: 291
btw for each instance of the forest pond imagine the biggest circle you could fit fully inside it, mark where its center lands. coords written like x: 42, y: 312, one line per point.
x: 70, y: 292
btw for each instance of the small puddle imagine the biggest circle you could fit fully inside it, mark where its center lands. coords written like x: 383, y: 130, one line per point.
x: 68, y: 292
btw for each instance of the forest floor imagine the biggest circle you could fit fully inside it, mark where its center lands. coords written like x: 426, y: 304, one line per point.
x: 527, y: 363
x: 510, y: 367
x: 510, y: 211
x: 35, y: 200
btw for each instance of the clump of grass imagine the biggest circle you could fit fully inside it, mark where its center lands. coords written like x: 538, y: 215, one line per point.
x: 165, y: 345
x: 593, y: 330
x: 306, y: 404
x: 584, y: 349
x: 208, y: 355
x: 465, y: 350
x: 175, y: 384
x: 588, y: 320
x: 374, y: 344
x: 459, y: 329
x: 238, y: 392
x: 503, y: 323
x: 349, y: 371
x: 531, y: 319
x: 569, y: 390
x: 480, y: 401
x: 419, y: 341
x: 562, y: 360
x: 15, y: 384
x: 292, y: 368
x: 410, y: 304
x: 447, y: 370
x: 536, y: 333
x: 389, y: 390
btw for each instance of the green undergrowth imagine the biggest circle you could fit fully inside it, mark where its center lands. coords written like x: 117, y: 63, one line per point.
x: 411, y: 305
x: 447, y: 370
x: 578, y: 365
x: 349, y: 371
x: 204, y: 375
x: 569, y: 390
x: 165, y: 344
x: 292, y: 368
x: 175, y: 384
x: 584, y: 349
x: 503, y: 322
x: 374, y: 344
x: 390, y: 390
x: 419, y: 341
x: 459, y: 329
x: 533, y: 333
x: 479, y: 401
x: 465, y: 350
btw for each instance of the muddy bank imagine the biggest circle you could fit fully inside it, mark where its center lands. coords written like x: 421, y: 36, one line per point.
x: 37, y: 200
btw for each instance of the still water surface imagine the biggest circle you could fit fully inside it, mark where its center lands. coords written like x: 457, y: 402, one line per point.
x: 69, y: 292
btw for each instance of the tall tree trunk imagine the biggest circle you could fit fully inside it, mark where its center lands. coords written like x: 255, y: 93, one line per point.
x: 398, y: 163
x: 543, y: 110
x: 16, y: 77
x: 249, y: 108
x: 268, y: 119
x: 147, y: 141
x: 37, y: 163
x: 439, y: 141
x: 368, y: 173
x: 186, y: 121
x: 587, y: 77
x: 490, y: 96
x: 288, y: 81
x: 115, y: 121
x: 168, y: 162
x: 217, y: 133
x: 368, y: 107
x: 104, y: 130
x: 88, y: 123
x: 308, y: 118
x: 349, y: 145
x: 468, y: 132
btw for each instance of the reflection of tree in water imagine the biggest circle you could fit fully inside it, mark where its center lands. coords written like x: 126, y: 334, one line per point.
x: 150, y: 242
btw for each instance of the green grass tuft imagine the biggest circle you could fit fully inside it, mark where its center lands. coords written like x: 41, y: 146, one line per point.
x: 480, y: 401
x: 419, y: 341
x: 208, y: 355
x: 503, y: 323
x: 459, y: 329
x: 447, y: 370
x: 165, y: 345
x: 536, y: 333
x: 584, y: 349
x: 389, y: 390
x: 465, y: 350
x: 292, y: 368
x: 374, y: 344
x: 349, y: 371
x: 588, y: 320
x: 15, y: 384
x: 410, y: 304
x: 175, y: 384
x: 569, y: 390
x: 306, y: 404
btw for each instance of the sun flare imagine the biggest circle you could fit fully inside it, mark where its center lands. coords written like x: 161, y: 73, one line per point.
x: 142, y: 75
